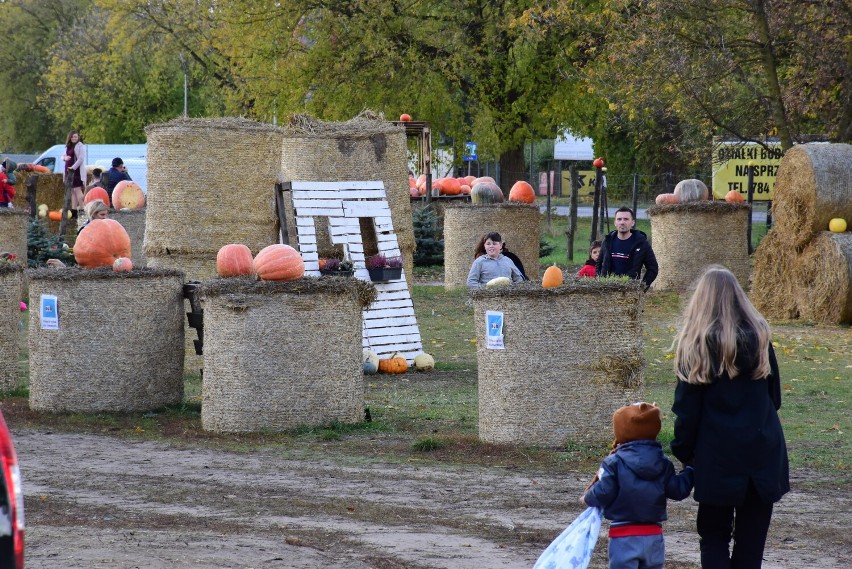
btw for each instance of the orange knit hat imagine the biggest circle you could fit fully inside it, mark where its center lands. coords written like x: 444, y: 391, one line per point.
x: 637, y: 422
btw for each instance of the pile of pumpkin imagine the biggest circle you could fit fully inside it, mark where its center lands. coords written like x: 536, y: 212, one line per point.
x: 126, y: 195
x: 693, y: 190
x: 277, y: 262
x: 395, y: 363
x: 483, y: 190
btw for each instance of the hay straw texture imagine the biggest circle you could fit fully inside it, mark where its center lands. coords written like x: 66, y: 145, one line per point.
x: 773, y: 289
x: 11, y: 276
x: 281, y: 355
x: 823, y: 274
x: 364, y: 148
x: 50, y: 190
x: 464, y: 226
x: 814, y: 185
x: 573, y: 355
x: 688, y: 237
x: 133, y: 220
x: 13, y: 232
x: 210, y: 182
x: 119, y: 346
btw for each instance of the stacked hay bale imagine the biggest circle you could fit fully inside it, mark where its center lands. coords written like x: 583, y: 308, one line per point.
x: 210, y: 183
x: 279, y: 355
x: 565, y: 368
x: 814, y: 185
x: 13, y: 232
x: 365, y: 148
x: 50, y: 190
x: 690, y: 236
x: 465, y: 224
x: 11, y: 277
x: 133, y: 220
x: 124, y: 354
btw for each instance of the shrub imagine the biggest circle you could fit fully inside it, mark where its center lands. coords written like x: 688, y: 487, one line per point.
x: 428, y: 236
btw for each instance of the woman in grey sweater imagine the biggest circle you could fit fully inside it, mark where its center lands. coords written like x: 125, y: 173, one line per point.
x: 492, y: 264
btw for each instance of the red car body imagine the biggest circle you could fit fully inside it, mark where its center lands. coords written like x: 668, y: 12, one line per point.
x: 11, y: 503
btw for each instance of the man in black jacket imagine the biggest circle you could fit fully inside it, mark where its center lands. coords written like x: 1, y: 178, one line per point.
x: 626, y: 250
x: 116, y: 174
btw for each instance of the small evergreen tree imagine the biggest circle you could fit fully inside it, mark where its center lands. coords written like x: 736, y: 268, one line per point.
x: 428, y: 236
x: 41, y: 246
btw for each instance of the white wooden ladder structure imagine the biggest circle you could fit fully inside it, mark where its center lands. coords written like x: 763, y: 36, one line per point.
x: 389, y: 323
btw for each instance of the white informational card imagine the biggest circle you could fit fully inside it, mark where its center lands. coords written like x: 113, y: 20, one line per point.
x: 49, y: 311
x: 494, y: 330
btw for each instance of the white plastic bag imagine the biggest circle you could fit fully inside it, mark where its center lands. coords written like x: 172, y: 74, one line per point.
x: 573, y: 548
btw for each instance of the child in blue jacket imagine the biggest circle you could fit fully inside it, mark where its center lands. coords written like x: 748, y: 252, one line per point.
x: 632, y: 486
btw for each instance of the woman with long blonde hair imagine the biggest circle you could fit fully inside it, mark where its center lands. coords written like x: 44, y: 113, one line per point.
x: 727, y: 427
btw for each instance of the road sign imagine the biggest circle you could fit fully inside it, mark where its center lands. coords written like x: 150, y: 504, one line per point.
x: 470, y: 152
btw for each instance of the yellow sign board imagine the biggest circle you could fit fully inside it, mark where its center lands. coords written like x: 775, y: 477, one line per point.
x: 731, y: 161
x: 586, y: 178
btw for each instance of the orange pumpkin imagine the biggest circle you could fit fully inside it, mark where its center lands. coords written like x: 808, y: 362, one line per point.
x: 122, y: 265
x: 450, y: 187
x: 552, y: 277
x: 128, y: 194
x: 234, y: 260
x: 465, y: 189
x: 55, y: 215
x: 279, y: 262
x: 100, y: 243
x: 734, y: 197
x: 522, y: 192
x: 666, y: 199
x: 394, y: 364
x: 404, y: 117
x: 97, y: 193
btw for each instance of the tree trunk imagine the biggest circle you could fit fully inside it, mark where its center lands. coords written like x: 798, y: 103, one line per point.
x: 770, y: 67
x: 512, y: 169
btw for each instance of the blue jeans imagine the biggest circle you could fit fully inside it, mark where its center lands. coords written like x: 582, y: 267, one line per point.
x: 637, y: 552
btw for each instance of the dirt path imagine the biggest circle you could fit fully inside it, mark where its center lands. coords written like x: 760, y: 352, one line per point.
x: 99, y: 501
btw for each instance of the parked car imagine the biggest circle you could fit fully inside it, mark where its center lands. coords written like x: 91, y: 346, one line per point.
x: 11, y: 503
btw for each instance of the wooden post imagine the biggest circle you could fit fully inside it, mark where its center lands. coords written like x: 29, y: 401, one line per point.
x: 549, y: 191
x: 572, y: 223
x: 635, y: 192
x: 32, y: 188
x: 597, y: 204
x: 604, y: 204
x: 751, y: 205
x: 66, y: 204
x: 768, y: 215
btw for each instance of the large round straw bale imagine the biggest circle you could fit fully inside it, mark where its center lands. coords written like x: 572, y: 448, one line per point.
x: 279, y: 355
x: 688, y: 237
x: 773, y: 288
x: 50, y: 190
x: 13, y: 232
x: 814, y: 185
x: 365, y: 148
x: 573, y: 355
x: 210, y: 182
x: 119, y: 346
x: 133, y: 220
x: 823, y: 275
x: 464, y: 226
x: 11, y: 277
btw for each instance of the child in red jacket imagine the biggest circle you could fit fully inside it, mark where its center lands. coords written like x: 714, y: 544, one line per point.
x: 588, y: 270
x: 7, y: 190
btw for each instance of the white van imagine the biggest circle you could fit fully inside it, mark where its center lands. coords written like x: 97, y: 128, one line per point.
x: 101, y: 155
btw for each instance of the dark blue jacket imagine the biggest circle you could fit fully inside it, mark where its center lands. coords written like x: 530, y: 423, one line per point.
x: 114, y: 176
x: 634, y: 483
x: 730, y: 432
x: 643, y: 255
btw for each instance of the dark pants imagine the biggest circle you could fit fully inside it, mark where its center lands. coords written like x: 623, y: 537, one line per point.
x: 748, y: 523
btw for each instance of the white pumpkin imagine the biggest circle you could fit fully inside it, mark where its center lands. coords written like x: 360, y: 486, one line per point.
x: 498, y: 282
x: 370, y: 367
x: 370, y: 356
x: 424, y: 362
